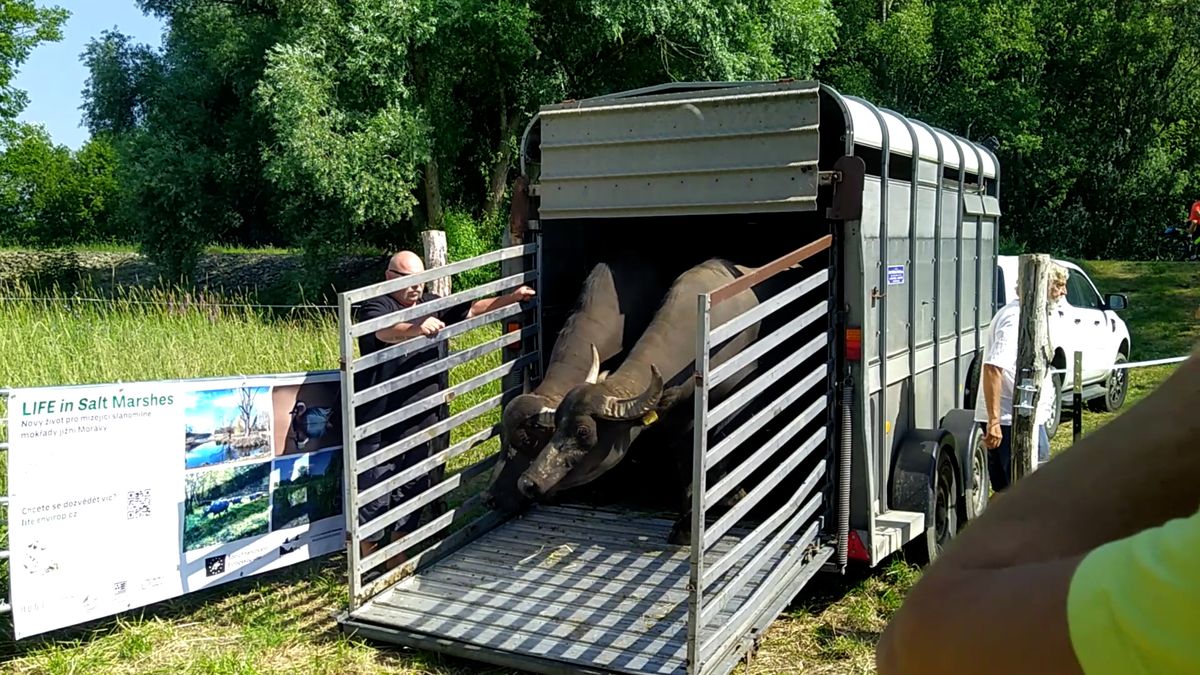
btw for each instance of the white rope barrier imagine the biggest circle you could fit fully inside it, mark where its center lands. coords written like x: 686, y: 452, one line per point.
x: 1136, y: 364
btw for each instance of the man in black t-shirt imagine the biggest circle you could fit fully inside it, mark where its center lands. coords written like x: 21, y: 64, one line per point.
x: 403, y: 264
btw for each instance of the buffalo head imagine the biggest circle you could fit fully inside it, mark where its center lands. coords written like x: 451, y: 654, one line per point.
x: 594, y: 426
x: 526, y: 426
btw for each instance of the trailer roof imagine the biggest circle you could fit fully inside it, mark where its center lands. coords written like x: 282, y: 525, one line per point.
x: 956, y: 152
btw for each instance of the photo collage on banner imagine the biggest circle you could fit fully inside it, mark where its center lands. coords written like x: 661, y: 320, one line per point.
x: 125, y: 495
x: 260, y: 460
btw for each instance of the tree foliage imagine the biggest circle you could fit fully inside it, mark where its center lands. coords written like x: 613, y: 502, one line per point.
x: 337, y: 124
x: 23, y: 26
x: 330, y: 123
x: 50, y: 196
x: 1094, y: 105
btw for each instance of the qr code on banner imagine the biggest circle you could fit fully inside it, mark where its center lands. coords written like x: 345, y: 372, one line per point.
x: 138, y: 504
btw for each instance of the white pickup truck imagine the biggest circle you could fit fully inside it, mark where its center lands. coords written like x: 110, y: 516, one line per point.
x: 1084, y: 321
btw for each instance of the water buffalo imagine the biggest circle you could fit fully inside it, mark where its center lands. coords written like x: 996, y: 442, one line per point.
x: 614, y: 306
x: 597, y: 422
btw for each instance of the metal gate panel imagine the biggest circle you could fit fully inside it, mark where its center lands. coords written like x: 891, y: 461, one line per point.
x: 770, y: 437
x: 473, y: 401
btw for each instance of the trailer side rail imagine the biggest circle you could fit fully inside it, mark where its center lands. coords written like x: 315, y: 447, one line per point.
x: 455, y: 465
x: 765, y: 443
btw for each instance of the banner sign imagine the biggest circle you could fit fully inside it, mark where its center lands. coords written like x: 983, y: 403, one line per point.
x: 123, y: 495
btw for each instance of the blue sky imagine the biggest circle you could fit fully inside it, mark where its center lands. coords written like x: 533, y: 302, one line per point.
x: 54, y: 76
x: 207, y: 410
x: 289, y: 467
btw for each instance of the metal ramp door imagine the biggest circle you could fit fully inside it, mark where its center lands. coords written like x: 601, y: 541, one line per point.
x: 766, y: 439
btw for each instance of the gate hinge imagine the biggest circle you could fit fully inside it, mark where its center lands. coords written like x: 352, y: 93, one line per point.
x: 829, y: 178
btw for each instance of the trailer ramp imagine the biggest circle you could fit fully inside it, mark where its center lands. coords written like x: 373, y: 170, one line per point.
x: 559, y: 589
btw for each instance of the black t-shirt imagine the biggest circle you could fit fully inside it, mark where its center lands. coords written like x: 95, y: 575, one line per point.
x: 392, y: 368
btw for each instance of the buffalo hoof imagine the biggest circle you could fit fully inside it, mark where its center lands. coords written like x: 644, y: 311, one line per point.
x: 681, y: 533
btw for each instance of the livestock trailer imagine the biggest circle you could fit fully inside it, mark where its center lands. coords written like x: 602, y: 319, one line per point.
x: 853, y: 439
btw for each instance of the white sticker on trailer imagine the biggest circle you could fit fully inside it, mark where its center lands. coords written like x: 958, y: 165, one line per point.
x: 895, y: 275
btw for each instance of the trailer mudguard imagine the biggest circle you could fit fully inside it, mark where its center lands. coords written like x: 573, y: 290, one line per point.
x: 913, y: 469
x: 960, y: 423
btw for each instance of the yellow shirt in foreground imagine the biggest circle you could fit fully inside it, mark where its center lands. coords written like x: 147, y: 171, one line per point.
x: 1134, y: 604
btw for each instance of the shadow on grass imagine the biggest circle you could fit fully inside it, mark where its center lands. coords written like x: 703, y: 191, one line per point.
x: 307, y: 596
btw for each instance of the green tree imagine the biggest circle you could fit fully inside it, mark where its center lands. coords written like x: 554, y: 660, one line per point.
x: 50, y: 196
x: 23, y: 26
x: 341, y: 123
x: 1093, y: 104
x: 380, y: 106
x: 187, y: 136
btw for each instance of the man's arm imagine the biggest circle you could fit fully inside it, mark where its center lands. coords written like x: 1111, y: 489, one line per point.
x: 983, y: 622
x: 488, y: 304
x: 403, y: 331
x: 992, y: 377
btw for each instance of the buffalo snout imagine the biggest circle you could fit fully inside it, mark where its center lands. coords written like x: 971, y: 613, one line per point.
x: 528, y: 487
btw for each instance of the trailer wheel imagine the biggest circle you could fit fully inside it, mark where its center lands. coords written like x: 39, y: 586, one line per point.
x: 942, y: 527
x: 976, y: 492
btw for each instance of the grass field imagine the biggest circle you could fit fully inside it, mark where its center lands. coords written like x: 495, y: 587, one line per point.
x: 284, y: 622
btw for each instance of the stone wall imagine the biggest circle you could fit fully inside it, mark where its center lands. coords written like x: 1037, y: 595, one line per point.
x: 257, y: 274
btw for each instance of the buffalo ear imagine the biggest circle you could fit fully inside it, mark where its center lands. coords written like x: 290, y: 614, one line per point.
x: 671, y: 397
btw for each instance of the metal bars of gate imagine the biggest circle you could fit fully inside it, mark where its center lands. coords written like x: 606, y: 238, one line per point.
x: 729, y: 594
x: 5, y: 605
x: 460, y: 521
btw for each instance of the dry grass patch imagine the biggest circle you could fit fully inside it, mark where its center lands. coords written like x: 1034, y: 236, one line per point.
x: 834, y: 624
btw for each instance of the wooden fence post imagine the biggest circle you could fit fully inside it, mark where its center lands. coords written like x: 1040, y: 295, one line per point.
x: 437, y: 253
x: 1033, y: 354
x: 1077, y: 400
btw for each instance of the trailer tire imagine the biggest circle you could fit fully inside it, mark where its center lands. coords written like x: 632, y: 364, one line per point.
x: 977, y: 490
x: 942, y: 525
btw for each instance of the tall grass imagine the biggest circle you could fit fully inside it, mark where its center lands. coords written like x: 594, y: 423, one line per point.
x: 153, y: 335
x: 276, y: 622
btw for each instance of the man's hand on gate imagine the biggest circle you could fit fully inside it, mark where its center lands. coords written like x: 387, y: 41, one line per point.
x: 523, y: 293
x: 431, y: 326
x: 992, y: 437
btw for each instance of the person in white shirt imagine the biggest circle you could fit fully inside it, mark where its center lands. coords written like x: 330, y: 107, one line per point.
x: 994, y: 409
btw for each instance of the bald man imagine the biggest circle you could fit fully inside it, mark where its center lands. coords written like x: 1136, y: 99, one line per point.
x: 402, y: 264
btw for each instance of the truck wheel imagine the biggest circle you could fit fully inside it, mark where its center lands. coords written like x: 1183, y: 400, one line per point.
x: 944, y: 525
x: 976, y: 492
x: 1056, y: 409
x: 1115, y: 389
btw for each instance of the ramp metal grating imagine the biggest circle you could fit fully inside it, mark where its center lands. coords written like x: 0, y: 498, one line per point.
x: 557, y: 589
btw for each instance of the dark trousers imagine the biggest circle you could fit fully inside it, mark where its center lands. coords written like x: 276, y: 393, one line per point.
x: 396, y: 496
x: 1000, y: 458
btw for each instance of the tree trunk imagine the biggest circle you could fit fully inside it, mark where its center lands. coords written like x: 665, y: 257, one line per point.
x: 433, y: 196
x: 433, y: 242
x: 1033, y: 354
x: 499, y: 170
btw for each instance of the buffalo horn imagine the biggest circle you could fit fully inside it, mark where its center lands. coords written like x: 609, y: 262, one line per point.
x: 632, y: 408
x: 594, y: 373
